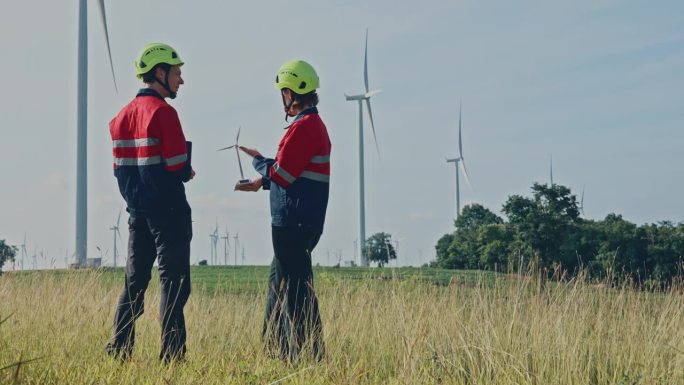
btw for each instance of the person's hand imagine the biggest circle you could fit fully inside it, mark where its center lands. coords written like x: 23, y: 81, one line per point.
x: 253, y: 185
x: 250, y: 151
x: 192, y: 174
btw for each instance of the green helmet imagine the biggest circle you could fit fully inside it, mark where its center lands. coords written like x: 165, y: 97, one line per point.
x: 153, y: 54
x: 297, y: 75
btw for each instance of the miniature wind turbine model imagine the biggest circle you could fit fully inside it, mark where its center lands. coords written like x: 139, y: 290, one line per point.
x: 237, y: 152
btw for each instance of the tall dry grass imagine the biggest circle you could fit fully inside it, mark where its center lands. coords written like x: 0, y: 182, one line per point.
x: 405, y: 331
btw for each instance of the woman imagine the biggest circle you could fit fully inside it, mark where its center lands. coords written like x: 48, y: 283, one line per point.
x: 298, y: 179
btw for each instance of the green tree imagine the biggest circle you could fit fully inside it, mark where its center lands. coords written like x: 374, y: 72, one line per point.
x: 546, y: 222
x: 461, y: 249
x: 7, y: 253
x: 379, y: 248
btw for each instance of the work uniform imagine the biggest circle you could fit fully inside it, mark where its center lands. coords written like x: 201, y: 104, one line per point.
x: 298, y: 180
x: 151, y: 164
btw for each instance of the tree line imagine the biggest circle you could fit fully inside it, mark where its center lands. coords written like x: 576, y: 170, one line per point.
x: 545, y: 232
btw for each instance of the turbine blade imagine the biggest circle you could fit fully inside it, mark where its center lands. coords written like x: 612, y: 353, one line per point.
x: 365, y: 63
x: 226, y: 148
x: 109, y: 50
x: 119, y: 219
x: 460, y: 143
x: 370, y: 114
x: 465, y: 173
x: 237, y: 139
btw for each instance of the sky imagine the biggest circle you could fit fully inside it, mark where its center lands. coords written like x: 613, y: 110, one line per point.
x: 596, y: 84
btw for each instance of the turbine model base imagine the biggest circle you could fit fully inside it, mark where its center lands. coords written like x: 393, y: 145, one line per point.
x: 242, y: 182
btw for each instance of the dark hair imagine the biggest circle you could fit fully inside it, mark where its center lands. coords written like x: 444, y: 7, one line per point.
x: 309, y: 99
x: 150, y: 76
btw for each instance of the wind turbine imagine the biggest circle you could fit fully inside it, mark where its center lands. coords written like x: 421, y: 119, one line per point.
x: 237, y: 241
x: 237, y: 153
x: 226, y: 246
x: 214, y: 243
x: 24, y: 253
x: 115, y: 230
x: 243, y: 255
x: 551, y: 169
x: 82, y: 127
x: 360, y: 99
x: 581, y: 206
x: 460, y: 161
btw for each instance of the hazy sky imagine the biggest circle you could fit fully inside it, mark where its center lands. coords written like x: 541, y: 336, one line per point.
x: 597, y: 83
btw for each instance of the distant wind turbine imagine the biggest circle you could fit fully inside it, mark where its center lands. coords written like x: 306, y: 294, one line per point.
x: 360, y: 99
x: 82, y: 127
x: 459, y: 161
x: 237, y: 242
x: 115, y: 230
x: 551, y: 169
x: 226, y: 247
x: 24, y: 254
x: 214, y: 245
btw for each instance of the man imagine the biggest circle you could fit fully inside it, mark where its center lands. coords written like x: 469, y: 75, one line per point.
x: 151, y: 163
x: 298, y: 178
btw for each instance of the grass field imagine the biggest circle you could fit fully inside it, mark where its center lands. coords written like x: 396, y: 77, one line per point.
x: 381, y: 326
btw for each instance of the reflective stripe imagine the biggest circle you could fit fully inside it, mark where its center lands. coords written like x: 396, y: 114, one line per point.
x: 284, y: 174
x: 138, y: 161
x: 176, y: 160
x: 316, y: 176
x: 320, y: 159
x: 135, y: 142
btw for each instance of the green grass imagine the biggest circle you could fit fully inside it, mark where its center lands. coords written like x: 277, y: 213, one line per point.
x: 381, y: 326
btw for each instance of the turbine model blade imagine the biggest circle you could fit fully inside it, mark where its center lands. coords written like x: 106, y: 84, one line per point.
x: 370, y: 114
x: 106, y: 31
x: 460, y: 143
x: 226, y: 148
x: 237, y: 139
x: 365, y: 63
x: 370, y: 93
x: 465, y: 172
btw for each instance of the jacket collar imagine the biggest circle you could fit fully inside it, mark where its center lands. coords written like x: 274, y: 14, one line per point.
x: 148, y: 92
x: 308, y: 111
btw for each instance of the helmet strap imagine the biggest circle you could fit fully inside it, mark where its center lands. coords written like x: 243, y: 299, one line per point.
x: 286, y: 105
x: 165, y: 84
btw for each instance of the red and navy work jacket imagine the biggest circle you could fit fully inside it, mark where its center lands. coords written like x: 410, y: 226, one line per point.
x: 150, y: 156
x: 299, y: 176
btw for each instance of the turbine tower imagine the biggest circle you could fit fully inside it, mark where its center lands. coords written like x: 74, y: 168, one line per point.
x: 459, y: 161
x: 115, y: 230
x: 82, y: 127
x: 360, y: 99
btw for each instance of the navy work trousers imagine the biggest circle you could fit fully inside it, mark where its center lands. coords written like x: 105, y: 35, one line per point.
x: 166, y: 238
x: 292, y: 321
